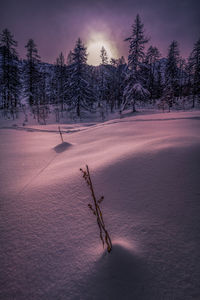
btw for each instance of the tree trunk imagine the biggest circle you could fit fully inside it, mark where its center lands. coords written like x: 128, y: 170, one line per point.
x: 134, y: 110
x: 193, y: 101
x: 78, y: 109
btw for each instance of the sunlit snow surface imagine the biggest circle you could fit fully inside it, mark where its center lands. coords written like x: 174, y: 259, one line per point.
x: 148, y: 169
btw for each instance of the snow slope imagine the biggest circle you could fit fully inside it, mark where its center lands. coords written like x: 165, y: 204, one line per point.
x: 146, y: 166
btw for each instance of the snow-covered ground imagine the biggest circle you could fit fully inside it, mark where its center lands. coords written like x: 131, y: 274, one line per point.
x: 147, y: 167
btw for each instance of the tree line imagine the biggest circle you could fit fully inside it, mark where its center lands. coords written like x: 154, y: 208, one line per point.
x: 74, y: 86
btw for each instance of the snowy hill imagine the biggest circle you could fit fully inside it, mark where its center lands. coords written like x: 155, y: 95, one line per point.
x: 147, y: 167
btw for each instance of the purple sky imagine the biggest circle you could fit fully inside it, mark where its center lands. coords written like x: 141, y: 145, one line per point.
x: 55, y: 25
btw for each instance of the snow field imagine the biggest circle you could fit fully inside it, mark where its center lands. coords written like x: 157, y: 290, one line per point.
x: 147, y: 167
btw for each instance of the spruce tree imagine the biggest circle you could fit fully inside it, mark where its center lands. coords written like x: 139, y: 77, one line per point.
x: 152, y: 58
x: 116, y: 82
x: 172, y: 73
x: 181, y: 76
x: 60, y: 72
x: 81, y: 97
x: 10, y: 72
x: 135, y: 89
x: 32, y: 74
x: 159, y: 82
x: 70, y: 58
x: 137, y: 42
x: 121, y: 74
x: 103, y: 81
x: 188, y: 85
x: 195, y: 68
x: 104, y: 56
x: 44, y: 85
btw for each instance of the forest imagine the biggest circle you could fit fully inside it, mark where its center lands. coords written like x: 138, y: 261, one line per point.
x: 70, y: 88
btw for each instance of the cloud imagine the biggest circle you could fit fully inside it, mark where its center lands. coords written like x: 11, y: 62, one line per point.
x: 56, y: 25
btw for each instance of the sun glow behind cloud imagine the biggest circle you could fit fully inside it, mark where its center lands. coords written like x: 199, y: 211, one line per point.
x: 96, y: 41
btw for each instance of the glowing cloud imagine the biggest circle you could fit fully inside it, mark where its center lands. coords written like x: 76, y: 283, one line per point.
x: 95, y: 42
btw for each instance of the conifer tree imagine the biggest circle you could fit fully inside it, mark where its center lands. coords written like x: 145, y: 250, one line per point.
x: 70, y: 58
x: 188, y: 86
x: 134, y: 89
x: 152, y: 58
x: 60, y: 72
x: 104, y: 56
x: 137, y: 42
x: 121, y: 74
x: 195, y: 68
x: 44, y: 85
x: 103, y: 82
x: 32, y: 74
x: 181, y: 76
x: 171, y: 73
x: 116, y: 82
x: 10, y: 72
x: 159, y: 82
x: 80, y: 90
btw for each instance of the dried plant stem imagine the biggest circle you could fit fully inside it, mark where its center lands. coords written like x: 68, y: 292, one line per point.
x: 60, y: 134
x: 104, y: 236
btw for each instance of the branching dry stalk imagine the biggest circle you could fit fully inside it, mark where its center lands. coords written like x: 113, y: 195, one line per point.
x: 104, y: 236
x: 60, y: 134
